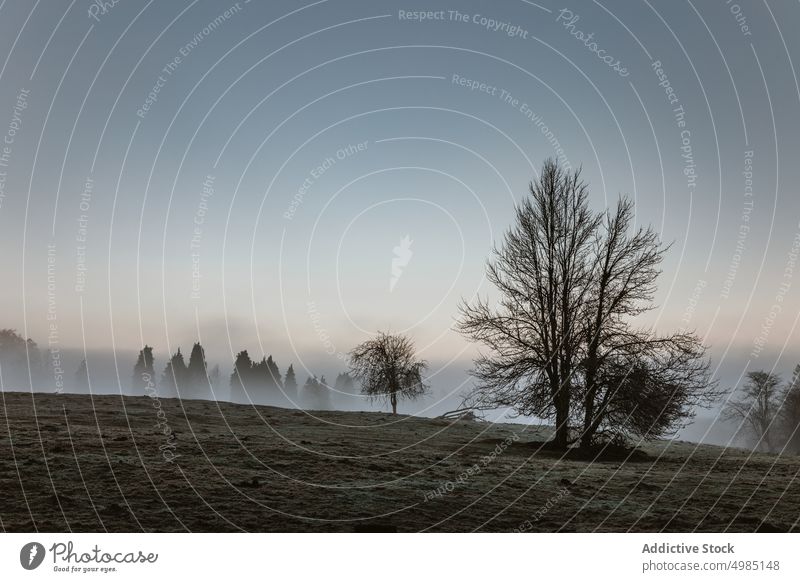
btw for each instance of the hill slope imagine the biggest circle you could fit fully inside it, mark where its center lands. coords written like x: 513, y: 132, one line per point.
x: 85, y: 463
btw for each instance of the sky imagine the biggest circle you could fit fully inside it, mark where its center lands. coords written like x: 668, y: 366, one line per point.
x: 290, y: 177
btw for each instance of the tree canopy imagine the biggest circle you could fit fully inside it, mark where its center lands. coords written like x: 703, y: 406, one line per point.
x: 387, y: 368
x: 561, y: 341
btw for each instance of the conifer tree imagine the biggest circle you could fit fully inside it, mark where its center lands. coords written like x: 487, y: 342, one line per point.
x: 173, y: 381
x: 241, y: 376
x: 290, y: 383
x: 143, y: 373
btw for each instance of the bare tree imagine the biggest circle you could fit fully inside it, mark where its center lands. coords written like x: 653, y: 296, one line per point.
x: 789, y: 415
x: 634, y: 382
x: 757, y: 410
x: 647, y: 387
x: 387, y: 368
x: 561, y: 344
x: 542, y: 274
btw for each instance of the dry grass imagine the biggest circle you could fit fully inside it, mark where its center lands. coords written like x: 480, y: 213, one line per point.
x: 84, y: 463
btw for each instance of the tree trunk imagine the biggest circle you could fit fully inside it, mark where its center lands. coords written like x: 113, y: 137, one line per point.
x: 588, y: 407
x: 587, y: 436
x: 561, y: 439
x: 394, y: 402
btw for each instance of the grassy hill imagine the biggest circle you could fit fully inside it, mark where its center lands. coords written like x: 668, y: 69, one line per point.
x: 82, y: 463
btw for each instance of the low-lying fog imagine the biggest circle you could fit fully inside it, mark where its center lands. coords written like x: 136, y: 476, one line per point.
x: 113, y: 375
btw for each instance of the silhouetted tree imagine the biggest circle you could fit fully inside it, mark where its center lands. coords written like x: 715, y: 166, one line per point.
x: 561, y: 336
x: 542, y: 272
x: 275, y: 391
x: 197, y: 383
x: 197, y: 368
x: 757, y: 410
x: 264, y: 385
x: 260, y: 373
x: 144, y: 374
x: 388, y: 368
x: 290, y: 384
x: 346, y: 392
x: 273, y: 375
x: 267, y: 374
x: 174, y: 378
x: 241, y: 375
x: 315, y: 394
x: 214, y: 378
x: 258, y: 386
x: 20, y: 361
x: 344, y: 383
x: 81, y: 382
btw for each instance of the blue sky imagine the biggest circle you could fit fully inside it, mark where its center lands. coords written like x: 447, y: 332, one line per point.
x: 267, y: 104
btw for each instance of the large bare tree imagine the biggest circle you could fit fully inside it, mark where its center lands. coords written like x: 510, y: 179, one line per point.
x: 561, y: 340
x: 542, y: 273
x: 388, y: 368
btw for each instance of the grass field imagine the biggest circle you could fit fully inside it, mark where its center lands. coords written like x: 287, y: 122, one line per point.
x: 82, y: 463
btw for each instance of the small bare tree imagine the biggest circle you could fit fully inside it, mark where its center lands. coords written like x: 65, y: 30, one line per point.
x: 387, y: 368
x: 757, y: 410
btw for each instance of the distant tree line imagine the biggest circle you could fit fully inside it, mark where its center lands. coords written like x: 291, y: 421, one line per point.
x: 23, y: 364
x: 257, y: 382
x: 382, y: 368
